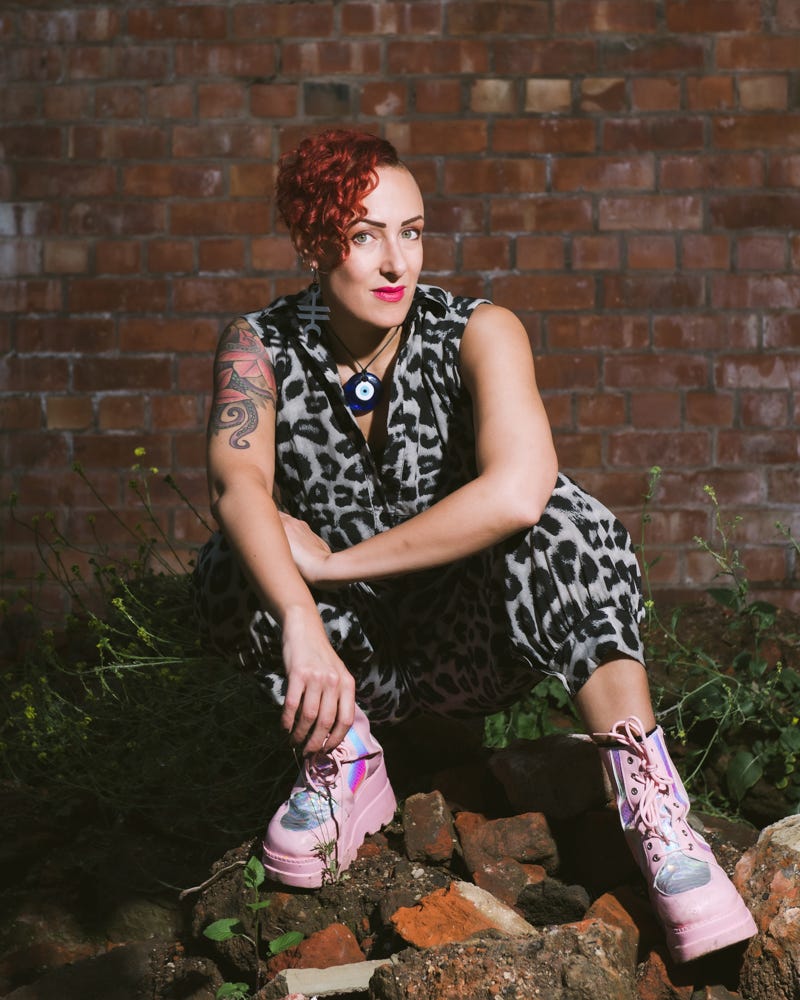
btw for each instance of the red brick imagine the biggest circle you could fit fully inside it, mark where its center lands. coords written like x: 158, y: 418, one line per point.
x: 706, y: 253
x: 709, y: 93
x: 117, y: 257
x: 31, y: 295
x: 654, y: 56
x: 764, y: 371
x: 778, y: 447
x: 56, y: 180
x: 219, y: 217
x: 555, y: 371
x: 545, y: 292
x: 713, y: 16
x: 762, y: 292
x: 485, y: 253
x: 764, y: 409
x: 767, y: 52
x: 656, y: 93
x: 280, y: 20
x: 603, y: 93
x: 732, y: 485
x: 121, y: 413
x: 784, y: 171
x: 209, y: 141
x: 540, y: 253
x: 219, y: 295
x: 222, y: 255
x: 483, y: 17
x: 172, y: 411
x: 230, y: 59
x: 579, y: 451
x: 783, y: 485
x: 437, y: 137
x: 20, y: 413
x: 112, y: 101
x: 652, y: 253
x: 787, y: 14
x: 89, y: 62
x: 764, y: 93
x: 653, y: 292
x: 68, y: 102
x: 31, y: 142
x: 177, y: 22
x: 601, y: 410
x: 782, y: 331
x: 330, y: 57
x: 649, y: 212
x: 507, y: 175
x: 384, y: 98
x: 548, y: 96
x: 107, y: 374
x: 704, y: 332
x: 43, y: 490
x: 69, y: 412
x: 115, y: 294
x: 565, y: 214
x: 707, y: 409
x: 30, y: 373
x: 544, y: 135
x: 615, y: 17
x: 65, y: 335
x: 658, y: 133
x: 418, y: 18
x: 656, y: 409
x: 220, y: 100
x: 272, y: 253
x: 494, y: 97
x: 757, y: 131
x: 559, y: 411
x: 21, y: 257
x: 170, y: 256
x: 178, y: 335
x: 251, y: 180
x: 712, y: 172
x: 170, y: 100
x: 675, y: 449
x: 19, y: 102
x: 43, y: 450
x: 592, y: 253
x: 547, y: 56
x: 604, y: 173
x: 438, y: 97
x: 100, y: 218
x: 602, y: 332
x: 762, y: 253
x: 672, y: 371
x: 142, y: 62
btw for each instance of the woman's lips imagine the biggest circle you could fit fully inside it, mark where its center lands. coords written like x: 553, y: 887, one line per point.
x: 389, y: 294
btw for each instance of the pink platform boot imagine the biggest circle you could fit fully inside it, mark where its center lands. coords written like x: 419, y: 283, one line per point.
x: 694, y: 899
x: 338, y: 798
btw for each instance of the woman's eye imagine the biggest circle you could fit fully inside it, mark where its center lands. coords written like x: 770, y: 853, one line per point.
x: 412, y: 234
x: 362, y: 238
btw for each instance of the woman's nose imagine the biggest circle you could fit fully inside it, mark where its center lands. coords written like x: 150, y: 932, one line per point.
x: 394, y: 261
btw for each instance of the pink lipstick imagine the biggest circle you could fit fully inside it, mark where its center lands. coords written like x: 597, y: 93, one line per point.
x: 390, y: 294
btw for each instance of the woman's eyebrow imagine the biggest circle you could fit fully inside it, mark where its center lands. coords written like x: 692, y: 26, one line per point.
x: 382, y: 225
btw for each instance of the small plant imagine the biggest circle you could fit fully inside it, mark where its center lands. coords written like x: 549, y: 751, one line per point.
x: 230, y: 927
x: 736, y: 716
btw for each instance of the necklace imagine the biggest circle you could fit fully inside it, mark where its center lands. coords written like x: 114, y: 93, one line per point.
x: 362, y: 392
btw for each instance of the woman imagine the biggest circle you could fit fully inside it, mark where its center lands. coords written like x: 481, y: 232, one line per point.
x: 396, y: 536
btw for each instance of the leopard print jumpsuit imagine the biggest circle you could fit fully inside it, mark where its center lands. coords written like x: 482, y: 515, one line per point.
x: 468, y: 638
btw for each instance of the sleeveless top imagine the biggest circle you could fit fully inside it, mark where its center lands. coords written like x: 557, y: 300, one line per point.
x: 325, y: 472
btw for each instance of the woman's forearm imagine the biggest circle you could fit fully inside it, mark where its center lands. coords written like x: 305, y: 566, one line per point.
x: 472, y: 518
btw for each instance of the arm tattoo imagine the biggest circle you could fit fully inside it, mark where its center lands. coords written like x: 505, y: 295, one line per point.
x: 244, y: 382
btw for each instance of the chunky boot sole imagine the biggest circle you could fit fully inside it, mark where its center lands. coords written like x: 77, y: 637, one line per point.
x: 694, y: 940
x: 312, y: 871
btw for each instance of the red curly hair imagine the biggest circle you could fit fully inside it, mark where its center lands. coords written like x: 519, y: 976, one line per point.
x: 321, y: 186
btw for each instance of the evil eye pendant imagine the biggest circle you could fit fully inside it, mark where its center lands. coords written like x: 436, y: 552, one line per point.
x: 362, y: 392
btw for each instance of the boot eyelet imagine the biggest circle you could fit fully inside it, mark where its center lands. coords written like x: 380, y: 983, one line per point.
x: 656, y: 857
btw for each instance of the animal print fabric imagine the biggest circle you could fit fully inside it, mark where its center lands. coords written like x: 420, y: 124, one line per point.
x: 470, y: 638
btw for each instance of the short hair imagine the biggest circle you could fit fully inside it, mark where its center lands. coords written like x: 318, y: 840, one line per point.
x: 321, y: 186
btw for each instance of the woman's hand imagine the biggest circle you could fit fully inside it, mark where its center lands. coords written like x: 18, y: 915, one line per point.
x: 309, y: 551
x: 320, y: 695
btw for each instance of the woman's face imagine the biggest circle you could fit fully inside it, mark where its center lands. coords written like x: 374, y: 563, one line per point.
x: 374, y: 285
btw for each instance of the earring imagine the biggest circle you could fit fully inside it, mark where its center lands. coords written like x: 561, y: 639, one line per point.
x: 311, y: 309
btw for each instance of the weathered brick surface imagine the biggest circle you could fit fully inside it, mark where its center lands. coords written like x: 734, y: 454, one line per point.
x: 625, y: 175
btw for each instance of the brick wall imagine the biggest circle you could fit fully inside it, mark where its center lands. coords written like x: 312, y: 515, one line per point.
x: 625, y: 174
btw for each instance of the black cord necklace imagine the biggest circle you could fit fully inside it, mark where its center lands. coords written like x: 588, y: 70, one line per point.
x: 362, y: 392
